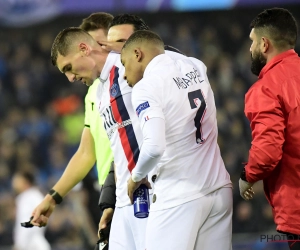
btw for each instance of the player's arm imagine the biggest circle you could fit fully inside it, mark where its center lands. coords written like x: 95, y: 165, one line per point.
x: 147, y: 100
x: 115, y: 46
x: 267, y: 124
x: 154, y: 144
x: 263, y: 110
x: 153, y: 147
x: 78, y: 167
x: 148, y: 106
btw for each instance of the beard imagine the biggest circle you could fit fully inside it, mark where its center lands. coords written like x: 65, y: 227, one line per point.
x: 258, y: 62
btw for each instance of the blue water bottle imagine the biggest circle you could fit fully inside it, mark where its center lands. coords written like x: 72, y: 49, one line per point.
x: 141, y: 202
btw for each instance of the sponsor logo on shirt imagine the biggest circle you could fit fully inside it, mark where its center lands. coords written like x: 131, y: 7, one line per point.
x: 114, y: 90
x: 111, y: 130
x: 142, y: 107
x: 110, y: 123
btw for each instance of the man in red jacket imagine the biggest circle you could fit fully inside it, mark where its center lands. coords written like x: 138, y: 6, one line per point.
x: 272, y: 106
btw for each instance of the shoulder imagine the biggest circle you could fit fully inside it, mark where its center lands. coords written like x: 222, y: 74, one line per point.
x: 144, y: 85
x: 197, y: 62
x: 150, y: 81
x: 175, y: 55
x: 147, y: 87
x: 261, y: 90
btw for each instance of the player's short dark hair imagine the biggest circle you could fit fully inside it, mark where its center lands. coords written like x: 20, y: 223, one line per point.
x: 137, y: 22
x: 95, y: 21
x: 144, y: 35
x: 65, y: 39
x: 279, y: 25
x: 27, y: 175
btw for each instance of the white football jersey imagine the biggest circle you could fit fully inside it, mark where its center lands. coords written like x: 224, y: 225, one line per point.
x: 179, y: 92
x: 120, y: 123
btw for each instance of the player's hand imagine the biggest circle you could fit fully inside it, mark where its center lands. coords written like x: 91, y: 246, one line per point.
x: 105, y: 219
x: 112, y: 46
x: 246, y: 190
x: 132, y: 186
x: 43, y: 211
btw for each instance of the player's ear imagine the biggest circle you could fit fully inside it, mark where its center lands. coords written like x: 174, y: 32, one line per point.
x: 265, y: 43
x: 84, y: 49
x: 138, y: 54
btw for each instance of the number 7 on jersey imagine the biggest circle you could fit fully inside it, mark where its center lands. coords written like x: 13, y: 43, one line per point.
x: 196, y: 98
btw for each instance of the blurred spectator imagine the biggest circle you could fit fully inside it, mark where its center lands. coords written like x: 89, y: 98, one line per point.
x: 7, y: 217
x: 28, y: 196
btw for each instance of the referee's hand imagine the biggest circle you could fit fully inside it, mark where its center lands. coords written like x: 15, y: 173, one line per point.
x: 43, y: 211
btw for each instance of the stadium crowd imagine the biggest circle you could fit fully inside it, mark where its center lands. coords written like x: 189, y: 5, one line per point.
x: 42, y: 116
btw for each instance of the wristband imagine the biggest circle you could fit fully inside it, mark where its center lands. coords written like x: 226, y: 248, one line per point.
x: 243, y: 175
x: 56, y: 196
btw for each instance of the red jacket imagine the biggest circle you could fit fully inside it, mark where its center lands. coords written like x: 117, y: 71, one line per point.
x: 272, y: 106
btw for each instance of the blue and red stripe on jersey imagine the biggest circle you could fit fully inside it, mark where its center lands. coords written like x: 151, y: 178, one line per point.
x: 120, y: 113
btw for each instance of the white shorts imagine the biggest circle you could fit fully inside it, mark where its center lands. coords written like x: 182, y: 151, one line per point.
x: 127, y: 232
x: 201, y: 224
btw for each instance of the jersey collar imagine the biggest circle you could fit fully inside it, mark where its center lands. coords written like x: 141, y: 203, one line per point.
x: 112, y: 59
x: 275, y: 60
x: 156, y: 60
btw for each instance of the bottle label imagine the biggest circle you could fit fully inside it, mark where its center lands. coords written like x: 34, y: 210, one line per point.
x: 141, y: 202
